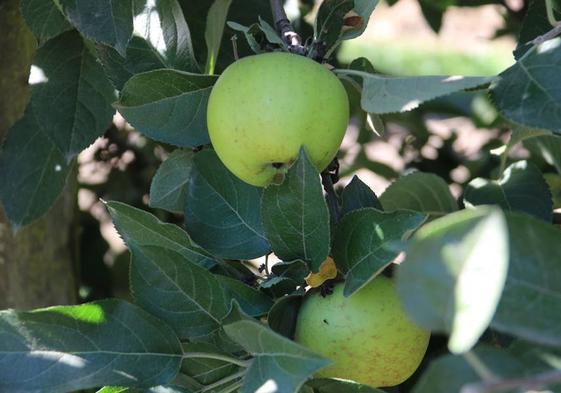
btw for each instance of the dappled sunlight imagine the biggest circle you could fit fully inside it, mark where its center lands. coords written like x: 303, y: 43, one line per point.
x: 453, y: 78
x: 65, y: 359
x: 147, y: 24
x: 270, y: 386
x: 88, y: 313
x: 37, y: 75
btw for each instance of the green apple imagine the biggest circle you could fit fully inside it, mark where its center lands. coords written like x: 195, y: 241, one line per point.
x: 367, y: 335
x: 263, y: 108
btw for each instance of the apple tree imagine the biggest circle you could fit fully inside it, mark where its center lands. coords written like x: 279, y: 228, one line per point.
x: 413, y: 290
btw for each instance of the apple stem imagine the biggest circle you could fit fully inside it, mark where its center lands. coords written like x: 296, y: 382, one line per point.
x: 285, y: 29
x: 328, y: 177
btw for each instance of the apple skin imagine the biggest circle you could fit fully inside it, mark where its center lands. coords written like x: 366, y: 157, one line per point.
x: 367, y: 335
x: 263, y: 108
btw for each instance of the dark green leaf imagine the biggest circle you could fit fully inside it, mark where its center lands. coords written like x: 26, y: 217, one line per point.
x: 168, y: 189
x: 433, y: 14
x: 535, y: 24
x: 214, y: 30
x: 252, y: 301
x: 44, y: 18
x: 253, y: 35
x: 168, y: 106
x: 296, y: 270
x: 521, y: 188
x: 105, y: 21
x: 73, y: 103
x: 222, y: 212
x: 368, y: 240
x: 33, y: 171
x: 533, y: 287
x: 171, y: 36
x: 284, y: 314
x: 450, y: 373
x: 66, y: 348
x: 141, y: 57
x: 140, y: 228
x: 454, y: 274
x: 358, y: 195
x: 295, y: 215
x: 279, y: 365
x: 423, y: 192
x: 363, y: 8
x: 548, y: 147
x: 205, y: 371
x: 383, y: 94
x: 330, y: 21
x: 189, y: 298
x: 527, y: 93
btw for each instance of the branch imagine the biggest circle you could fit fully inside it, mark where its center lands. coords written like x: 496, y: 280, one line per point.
x: 530, y: 383
x: 328, y: 177
x: 285, y: 29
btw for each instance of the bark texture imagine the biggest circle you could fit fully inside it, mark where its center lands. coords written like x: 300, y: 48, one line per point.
x: 37, y: 264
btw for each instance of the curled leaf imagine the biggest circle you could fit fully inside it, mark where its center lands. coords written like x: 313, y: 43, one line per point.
x: 327, y: 271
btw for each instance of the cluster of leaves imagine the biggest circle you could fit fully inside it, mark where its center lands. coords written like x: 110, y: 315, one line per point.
x: 481, y: 275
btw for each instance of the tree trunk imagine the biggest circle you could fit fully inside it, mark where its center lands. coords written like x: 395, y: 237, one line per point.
x: 37, y: 264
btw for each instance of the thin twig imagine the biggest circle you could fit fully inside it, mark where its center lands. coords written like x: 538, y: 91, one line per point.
x: 285, y: 29
x: 234, y: 40
x: 530, y: 383
x: 328, y: 177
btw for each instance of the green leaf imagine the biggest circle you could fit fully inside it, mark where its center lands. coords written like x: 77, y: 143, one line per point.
x: 519, y: 134
x: 283, y: 315
x: 363, y: 8
x: 384, y: 94
x: 295, y: 215
x: 186, y: 296
x: 329, y: 22
x: 322, y: 385
x: 535, y: 24
x: 252, y: 301
x: 141, y: 57
x: 203, y: 370
x: 105, y: 21
x: 279, y: 365
x: 44, y: 18
x: 527, y: 93
x: 67, y: 348
x: 454, y: 274
x: 222, y: 212
x: 533, y: 286
x: 140, y: 228
x: 33, y: 171
x: 418, y: 191
x: 521, y: 188
x: 253, y: 34
x: 73, y: 103
x: 548, y: 147
x: 358, y: 195
x: 162, y: 24
x: 168, y: 106
x: 214, y: 30
x: 450, y: 373
x: 168, y: 189
x: 368, y: 240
